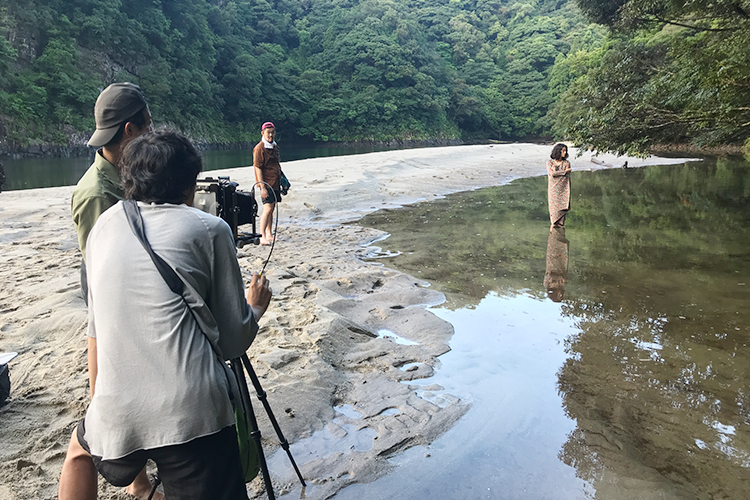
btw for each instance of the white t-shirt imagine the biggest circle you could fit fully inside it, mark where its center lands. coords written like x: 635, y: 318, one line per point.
x: 159, y: 381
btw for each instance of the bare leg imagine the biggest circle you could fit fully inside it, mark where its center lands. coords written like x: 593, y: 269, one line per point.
x: 266, y: 223
x: 78, y: 476
x: 561, y: 221
x: 78, y: 479
x: 141, y: 487
x: 558, y: 219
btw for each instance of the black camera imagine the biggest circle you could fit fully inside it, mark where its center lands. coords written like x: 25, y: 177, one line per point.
x: 220, y: 197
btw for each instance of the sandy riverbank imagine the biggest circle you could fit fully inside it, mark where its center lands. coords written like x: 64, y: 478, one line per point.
x: 319, y: 347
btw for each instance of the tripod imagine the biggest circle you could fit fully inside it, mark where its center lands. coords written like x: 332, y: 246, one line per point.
x: 237, y: 364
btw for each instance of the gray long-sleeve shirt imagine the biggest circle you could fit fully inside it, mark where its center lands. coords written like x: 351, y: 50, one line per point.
x: 159, y: 381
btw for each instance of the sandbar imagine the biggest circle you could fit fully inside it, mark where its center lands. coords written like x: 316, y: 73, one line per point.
x: 337, y: 384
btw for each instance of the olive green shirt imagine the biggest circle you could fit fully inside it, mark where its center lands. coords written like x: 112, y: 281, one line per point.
x: 98, y: 189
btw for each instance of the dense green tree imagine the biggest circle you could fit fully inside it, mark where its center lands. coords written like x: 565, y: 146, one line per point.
x: 329, y: 70
x: 672, y: 72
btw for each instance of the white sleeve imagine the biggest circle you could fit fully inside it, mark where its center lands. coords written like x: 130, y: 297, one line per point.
x: 226, y: 298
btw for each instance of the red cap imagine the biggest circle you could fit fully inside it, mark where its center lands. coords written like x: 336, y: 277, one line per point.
x: 266, y: 125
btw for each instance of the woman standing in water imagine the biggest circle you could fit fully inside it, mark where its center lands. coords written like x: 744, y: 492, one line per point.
x: 267, y: 163
x: 558, y: 185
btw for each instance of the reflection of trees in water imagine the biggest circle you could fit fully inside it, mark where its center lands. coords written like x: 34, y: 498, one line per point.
x: 493, y: 239
x: 672, y: 198
x: 658, y: 376
x: 658, y: 398
x: 470, y: 244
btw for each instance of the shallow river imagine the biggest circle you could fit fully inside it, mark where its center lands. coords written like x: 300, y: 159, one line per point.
x: 29, y: 173
x: 609, y: 360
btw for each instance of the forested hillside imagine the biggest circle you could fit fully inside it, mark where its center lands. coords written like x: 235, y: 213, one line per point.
x: 323, y: 70
x: 620, y: 75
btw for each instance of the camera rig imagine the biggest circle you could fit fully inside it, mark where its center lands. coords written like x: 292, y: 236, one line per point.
x: 220, y: 197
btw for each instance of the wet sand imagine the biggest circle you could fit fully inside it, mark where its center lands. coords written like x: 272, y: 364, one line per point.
x: 339, y: 339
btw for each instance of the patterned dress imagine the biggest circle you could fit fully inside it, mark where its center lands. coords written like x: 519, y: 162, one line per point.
x: 558, y: 191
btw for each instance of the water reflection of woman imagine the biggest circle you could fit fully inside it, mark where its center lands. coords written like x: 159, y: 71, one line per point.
x: 556, y: 274
x: 558, y: 185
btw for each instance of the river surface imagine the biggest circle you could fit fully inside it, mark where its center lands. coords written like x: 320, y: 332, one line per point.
x: 28, y: 173
x: 608, y: 360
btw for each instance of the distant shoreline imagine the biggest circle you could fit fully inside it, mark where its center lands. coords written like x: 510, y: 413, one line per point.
x: 694, y: 150
x: 82, y: 151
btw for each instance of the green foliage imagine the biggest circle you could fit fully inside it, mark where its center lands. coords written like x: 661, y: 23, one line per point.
x: 672, y: 72
x: 602, y: 11
x: 329, y: 70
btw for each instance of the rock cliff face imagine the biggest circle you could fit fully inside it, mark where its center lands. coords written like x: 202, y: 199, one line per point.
x: 44, y: 151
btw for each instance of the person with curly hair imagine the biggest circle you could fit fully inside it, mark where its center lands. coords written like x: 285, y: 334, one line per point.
x: 162, y: 390
x: 558, y: 185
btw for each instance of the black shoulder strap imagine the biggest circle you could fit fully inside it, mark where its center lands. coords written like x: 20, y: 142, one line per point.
x: 133, y: 213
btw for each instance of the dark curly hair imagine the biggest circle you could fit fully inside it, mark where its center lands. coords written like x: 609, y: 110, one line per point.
x: 557, y: 152
x: 159, y: 167
x: 138, y: 119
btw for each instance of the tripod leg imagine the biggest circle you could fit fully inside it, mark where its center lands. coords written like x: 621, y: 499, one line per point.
x: 264, y: 400
x: 157, y: 482
x: 254, y: 431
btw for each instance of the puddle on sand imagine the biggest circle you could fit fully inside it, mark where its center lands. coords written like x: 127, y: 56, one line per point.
x: 410, y: 366
x: 390, y: 412
x: 609, y: 360
x: 348, y: 411
x: 389, y: 335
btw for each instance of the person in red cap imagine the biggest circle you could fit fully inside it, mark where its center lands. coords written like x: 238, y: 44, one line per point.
x: 121, y: 114
x: 267, y: 163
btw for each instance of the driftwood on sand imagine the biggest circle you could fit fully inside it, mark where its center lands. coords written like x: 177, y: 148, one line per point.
x: 608, y: 165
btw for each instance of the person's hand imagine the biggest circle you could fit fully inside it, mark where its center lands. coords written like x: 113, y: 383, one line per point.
x: 258, y: 295
x: 263, y: 193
